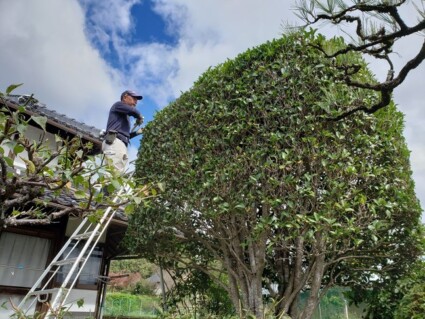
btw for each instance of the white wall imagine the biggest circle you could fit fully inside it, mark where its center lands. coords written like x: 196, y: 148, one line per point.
x: 7, y: 310
x: 89, y: 297
x: 34, y: 134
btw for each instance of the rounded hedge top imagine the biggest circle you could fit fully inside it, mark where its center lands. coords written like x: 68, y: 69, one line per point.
x: 256, y: 129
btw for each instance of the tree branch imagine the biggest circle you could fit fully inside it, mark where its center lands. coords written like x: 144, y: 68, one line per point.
x: 378, y: 44
x: 3, y: 168
x: 12, y: 221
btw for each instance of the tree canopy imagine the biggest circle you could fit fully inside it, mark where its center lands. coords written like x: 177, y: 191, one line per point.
x: 262, y: 192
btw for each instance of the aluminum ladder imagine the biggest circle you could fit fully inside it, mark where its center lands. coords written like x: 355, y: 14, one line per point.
x: 84, y: 232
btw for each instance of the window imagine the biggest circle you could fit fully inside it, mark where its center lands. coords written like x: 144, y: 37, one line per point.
x: 22, y: 259
x: 90, y: 273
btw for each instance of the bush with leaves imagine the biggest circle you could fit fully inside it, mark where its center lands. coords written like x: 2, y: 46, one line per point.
x: 196, y: 292
x: 265, y: 191
x: 400, y: 299
x: 412, y: 306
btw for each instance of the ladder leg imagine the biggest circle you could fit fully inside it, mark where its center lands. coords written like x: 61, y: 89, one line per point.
x: 92, y: 237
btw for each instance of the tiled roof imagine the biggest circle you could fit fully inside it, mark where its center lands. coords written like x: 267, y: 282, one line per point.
x: 34, y: 106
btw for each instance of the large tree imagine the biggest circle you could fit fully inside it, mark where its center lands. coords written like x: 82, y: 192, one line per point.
x: 264, y: 192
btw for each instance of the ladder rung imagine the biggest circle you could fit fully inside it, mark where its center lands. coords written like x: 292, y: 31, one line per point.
x: 43, y: 292
x: 66, y: 261
x: 84, y: 235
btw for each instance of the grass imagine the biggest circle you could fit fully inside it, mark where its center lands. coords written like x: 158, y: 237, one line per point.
x: 119, y: 304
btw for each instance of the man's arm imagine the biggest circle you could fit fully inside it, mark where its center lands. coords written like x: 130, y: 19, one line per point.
x: 128, y: 110
x: 139, y: 122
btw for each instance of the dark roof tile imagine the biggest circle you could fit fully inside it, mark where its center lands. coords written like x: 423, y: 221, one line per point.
x: 35, y: 106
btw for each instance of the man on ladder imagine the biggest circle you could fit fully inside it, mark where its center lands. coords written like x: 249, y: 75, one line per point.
x: 114, y: 148
x: 118, y: 132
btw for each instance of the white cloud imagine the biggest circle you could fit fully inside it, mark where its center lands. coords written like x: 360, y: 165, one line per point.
x: 208, y: 33
x: 109, y: 22
x: 44, y: 46
x: 239, y: 22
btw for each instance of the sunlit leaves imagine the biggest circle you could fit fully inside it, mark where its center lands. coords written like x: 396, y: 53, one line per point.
x: 40, y: 120
x: 12, y: 87
x: 18, y: 148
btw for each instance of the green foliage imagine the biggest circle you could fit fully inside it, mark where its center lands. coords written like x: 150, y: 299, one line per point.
x: 143, y: 287
x: 11, y: 88
x: 412, y: 306
x: 193, y: 315
x: 400, y: 299
x: 202, y: 294
x: 399, y: 295
x: 257, y: 175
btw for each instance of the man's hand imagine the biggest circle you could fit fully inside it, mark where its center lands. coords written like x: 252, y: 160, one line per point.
x: 139, y: 121
x: 139, y: 131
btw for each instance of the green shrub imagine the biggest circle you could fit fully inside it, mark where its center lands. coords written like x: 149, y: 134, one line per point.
x: 143, y: 287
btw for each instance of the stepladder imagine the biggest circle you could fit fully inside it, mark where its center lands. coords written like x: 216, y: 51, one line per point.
x: 53, y: 288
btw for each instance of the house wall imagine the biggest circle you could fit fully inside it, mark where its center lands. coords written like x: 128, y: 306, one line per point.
x: 16, y: 268
x: 13, y: 291
x: 89, y: 298
x: 72, y: 309
x: 36, y: 134
x: 72, y: 225
x: 23, y: 258
x: 6, y: 301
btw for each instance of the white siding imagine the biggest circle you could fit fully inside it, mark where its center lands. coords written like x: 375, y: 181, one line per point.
x: 34, y: 134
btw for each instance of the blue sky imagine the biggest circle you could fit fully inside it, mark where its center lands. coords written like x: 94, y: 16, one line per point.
x: 77, y: 56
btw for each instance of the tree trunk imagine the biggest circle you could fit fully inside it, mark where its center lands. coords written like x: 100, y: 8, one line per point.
x: 294, y: 275
x: 317, y: 275
x: 245, y: 261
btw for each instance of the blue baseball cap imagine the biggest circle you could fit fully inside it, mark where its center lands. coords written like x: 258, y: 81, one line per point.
x: 131, y: 93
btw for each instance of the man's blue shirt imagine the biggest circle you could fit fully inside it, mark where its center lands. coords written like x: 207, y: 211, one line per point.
x: 119, y: 120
